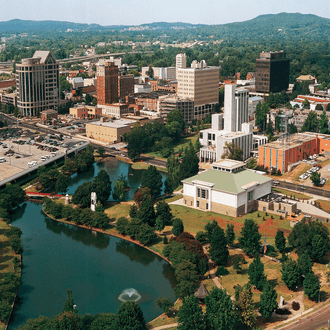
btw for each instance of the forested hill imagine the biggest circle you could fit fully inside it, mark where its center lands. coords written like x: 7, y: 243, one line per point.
x: 285, y: 25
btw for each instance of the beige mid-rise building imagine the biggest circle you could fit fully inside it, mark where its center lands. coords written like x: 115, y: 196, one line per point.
x: 199, y: 83
x: 38, y: 84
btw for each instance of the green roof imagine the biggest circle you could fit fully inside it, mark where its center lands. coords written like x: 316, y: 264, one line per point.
x: 227, y: 181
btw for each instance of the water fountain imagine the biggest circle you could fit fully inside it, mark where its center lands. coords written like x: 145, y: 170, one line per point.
x: 129, y: 295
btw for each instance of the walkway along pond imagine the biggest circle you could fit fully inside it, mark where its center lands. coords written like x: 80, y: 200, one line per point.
x: 101, y: 270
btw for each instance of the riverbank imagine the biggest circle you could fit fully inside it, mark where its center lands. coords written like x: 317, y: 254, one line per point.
x: 6, y: 264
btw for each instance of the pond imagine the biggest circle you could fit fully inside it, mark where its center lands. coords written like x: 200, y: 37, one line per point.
x: 101, y: 270
x: 114, y: 168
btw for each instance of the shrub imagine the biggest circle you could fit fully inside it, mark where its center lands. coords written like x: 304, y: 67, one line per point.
x: 221, y: 271
x: 295, y: 306
x: 122, y: 225
x: 165, y: 240
x: 282, y: 311
x: 201, y: 237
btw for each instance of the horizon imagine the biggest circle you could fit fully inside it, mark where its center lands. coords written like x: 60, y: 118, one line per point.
x: 154, y: 22
x: 128, y: 12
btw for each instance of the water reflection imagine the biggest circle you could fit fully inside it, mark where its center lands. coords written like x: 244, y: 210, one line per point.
x: 18, y: 212
x: 135, y: 253
x: 87, y: 237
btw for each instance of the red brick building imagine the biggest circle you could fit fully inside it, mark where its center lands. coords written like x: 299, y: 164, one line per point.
x: 107, y: 83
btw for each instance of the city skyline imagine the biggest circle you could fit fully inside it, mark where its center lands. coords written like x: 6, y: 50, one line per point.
x: 129, y: 12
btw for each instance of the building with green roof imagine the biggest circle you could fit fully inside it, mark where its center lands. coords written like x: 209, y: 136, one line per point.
x: 228, y: 188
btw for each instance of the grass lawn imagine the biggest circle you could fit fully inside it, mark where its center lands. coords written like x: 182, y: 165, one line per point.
x: 117, y: 210
x: 178, y: 187
x: 144, y: 166
x: 195, y: 221
x: 7, y: 255
x: 289, y: 193
x: 325, y: 205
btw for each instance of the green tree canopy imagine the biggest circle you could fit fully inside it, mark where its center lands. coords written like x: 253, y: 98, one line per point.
x: 219, y: 251
x: 256, y: 273
x: 268, y: 301
x: 191, y: 315
x: 152, y: 179
x: 250, y: 238
x: 291, y: 273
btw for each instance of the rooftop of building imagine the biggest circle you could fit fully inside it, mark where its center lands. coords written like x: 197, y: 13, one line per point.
x: 230, y: 182
x: 118, y: 123
x: 49, y: 112
x: 306, y: 77
x: 294, y: 141
x: 150, y: 95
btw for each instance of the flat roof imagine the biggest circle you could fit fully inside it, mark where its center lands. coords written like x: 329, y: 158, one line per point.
x: 229, y: 182
x: 228, y: 163
x: 295, y: 141
x: 114, y: 123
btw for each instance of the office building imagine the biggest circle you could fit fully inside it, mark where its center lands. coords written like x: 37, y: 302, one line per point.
x: 107, y: 82
x: 272, y: 72
x: 125, y: 85
x: 199, y: 83
x: 37, y: 82
x: 236, y: 108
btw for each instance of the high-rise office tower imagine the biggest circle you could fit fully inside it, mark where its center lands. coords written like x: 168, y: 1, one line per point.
x: 37, y: 84
x: 107, y: 82
x: 236, y: 108
x: 272, y: 72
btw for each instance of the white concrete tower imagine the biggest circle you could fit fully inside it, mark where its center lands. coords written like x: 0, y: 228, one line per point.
x: 229, y: 112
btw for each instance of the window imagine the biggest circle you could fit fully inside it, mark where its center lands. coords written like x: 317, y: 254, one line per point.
x: 207, y: 206
x: 250, y: 195
x: 197, y: 203
x: 201, y: 135
x: 198, y: 192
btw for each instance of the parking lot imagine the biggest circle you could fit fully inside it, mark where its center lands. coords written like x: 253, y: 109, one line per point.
x: 24, y: 151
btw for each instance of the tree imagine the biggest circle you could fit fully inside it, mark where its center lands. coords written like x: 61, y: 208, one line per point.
x: 100, y: 149
x: 256, y: 273
x: 152, y: 179
x: 291, y: 273
x: 324, y: 124
x: 278, y: 121
x: 137, y: 142
x: 219, y: 311
x: 82, y: 194
x: 232, y: 151
x: 146, y: 211
x: 250, y: 239
x: 145, y: 234
x: 268, y: 301
x: 280, y: 241
x: 190, y: 163
x: 245, y: 307
x: 311, y: 122
x: 150, y: 72
x: 168, y: 186
x: 62, y: 183
x: 305, y: 263
x: 130, y: 316
x: 270, y: 130
x: 316, y: 178
x: 176, y: 116
x: 230, y: 234
x: 121, y: 225
x: 177, y: 227
x: 191, y: 315
x: 187, y: 277
x: 69, y: 303
x: 261, y: 115
x: 102, y: 186
x: 105, y: 321
x: 328, y: 107
x: 164, y: 212
x: 311, y: 286
x: 119, y: 190
x: 165, y: 304
x: 302, y: 237
x: 306, y: 104
x: 319, y: 247
x: 252, y: 163
x: 219, y: 251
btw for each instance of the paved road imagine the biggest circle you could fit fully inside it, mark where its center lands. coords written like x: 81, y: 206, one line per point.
x: 315, y: 321
x: 302, y: 188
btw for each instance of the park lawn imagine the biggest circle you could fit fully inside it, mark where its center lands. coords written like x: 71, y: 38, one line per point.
x: 164, y: 319
x: 117, y: 210
x: 7, y: 255
x: 291, y: 193
x: 178, y: 187
x: 144, y: 166
x: 195, y: 221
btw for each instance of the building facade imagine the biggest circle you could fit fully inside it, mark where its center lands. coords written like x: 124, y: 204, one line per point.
x: 37, y: 83
x: 107, y: 83
x: 125, y: 85
x: 227, y: 188
x: 83, y: 111
x: 272, y: 72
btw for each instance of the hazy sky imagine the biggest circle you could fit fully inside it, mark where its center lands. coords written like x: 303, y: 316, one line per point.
x: 133, y: 12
